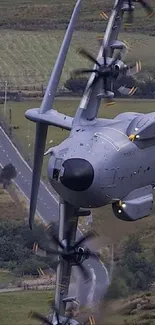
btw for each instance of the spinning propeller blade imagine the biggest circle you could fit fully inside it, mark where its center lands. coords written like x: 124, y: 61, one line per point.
x: 149, y: 10
x: 89, y: 235
x: 108, y: 72
x: 45, y: 320
x: 75, y: 254
x: 132, y: 70
x: 127, y: 91
x: 104, y: 15
x: 47, y: 103
x: 41, y: 318
x: 57, y: 241
x: 88, y: 56
x: 83, y: 71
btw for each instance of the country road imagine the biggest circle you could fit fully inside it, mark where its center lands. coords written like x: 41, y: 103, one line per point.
x: 47, y: 208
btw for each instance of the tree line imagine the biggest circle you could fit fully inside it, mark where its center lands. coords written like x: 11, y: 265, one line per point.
x: 16, y: 247
x: 135, y: 271
x: 145, y: 87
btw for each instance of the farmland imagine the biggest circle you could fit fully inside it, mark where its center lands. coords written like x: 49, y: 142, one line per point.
x: 20, y: 304
x: 27, y: 58
x: 33, y: 15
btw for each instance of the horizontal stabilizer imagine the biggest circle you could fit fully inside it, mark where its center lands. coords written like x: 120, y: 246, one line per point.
x: 51, y: 117
x: 136, y: 205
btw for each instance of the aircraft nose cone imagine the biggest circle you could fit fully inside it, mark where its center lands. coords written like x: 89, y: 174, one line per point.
x: 78, y: 174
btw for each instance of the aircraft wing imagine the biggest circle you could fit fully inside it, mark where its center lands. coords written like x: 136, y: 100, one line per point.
x: 51, y: 117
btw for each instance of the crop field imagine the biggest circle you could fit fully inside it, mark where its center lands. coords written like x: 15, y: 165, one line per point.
x: 104, y: 222
x: 27, y: 58
x: 43, y: 14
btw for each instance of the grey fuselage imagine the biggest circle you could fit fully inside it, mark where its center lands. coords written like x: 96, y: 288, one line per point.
x: 120, y: 165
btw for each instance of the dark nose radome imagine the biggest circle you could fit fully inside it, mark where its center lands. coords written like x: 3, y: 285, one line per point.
x: 78, y: 174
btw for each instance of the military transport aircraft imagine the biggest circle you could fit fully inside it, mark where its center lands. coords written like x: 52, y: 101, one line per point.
x: 103, y: 161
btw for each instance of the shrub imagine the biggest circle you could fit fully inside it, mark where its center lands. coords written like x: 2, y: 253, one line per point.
x: 31, y: 266
x: 117, y: 289
x: 16, y: 243
x: 145, y: 88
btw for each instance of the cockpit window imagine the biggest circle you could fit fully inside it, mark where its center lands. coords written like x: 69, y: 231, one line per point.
x: 57, y: 167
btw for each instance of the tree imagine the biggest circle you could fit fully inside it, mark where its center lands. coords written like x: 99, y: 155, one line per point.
x: 117, y: 289
x: 31, y: 266
x: 7, y: 174
x: 76, y: 85
x: 11, y: 250
x: 141, y: 269
x: 16, y: 243
x: 132, y: 244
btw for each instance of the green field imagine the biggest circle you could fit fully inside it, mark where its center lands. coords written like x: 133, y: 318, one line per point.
x: 54, y: 14
x: 105, y: 222
x: 15, y: 309
x: 27, y: 58
x: 6, y: 278
x: 16, y: 306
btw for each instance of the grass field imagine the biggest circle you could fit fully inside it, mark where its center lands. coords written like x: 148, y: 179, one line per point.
x: 15, y: 307
x: 104, y: 220
x: 43, y: 14
x: 12, y: 207
x: 6, y: 278
x: 27, y: 58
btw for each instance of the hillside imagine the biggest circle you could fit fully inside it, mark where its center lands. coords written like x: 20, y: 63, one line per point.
x: 54, y: 14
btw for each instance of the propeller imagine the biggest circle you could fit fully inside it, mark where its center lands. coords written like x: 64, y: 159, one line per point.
x: 73, y: 253
x: 149, y: 10
x: 41, y: 318
x: 46, y: 320
x: 90, y: 321
x: 127, y: 91
x: 69, y: 316
x: 106, y: 71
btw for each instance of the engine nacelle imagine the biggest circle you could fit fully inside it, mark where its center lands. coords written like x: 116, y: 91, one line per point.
x: 136, y: 205
x: 120, y: 64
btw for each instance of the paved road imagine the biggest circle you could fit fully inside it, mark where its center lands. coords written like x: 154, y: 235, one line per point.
x: 47, y: 207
